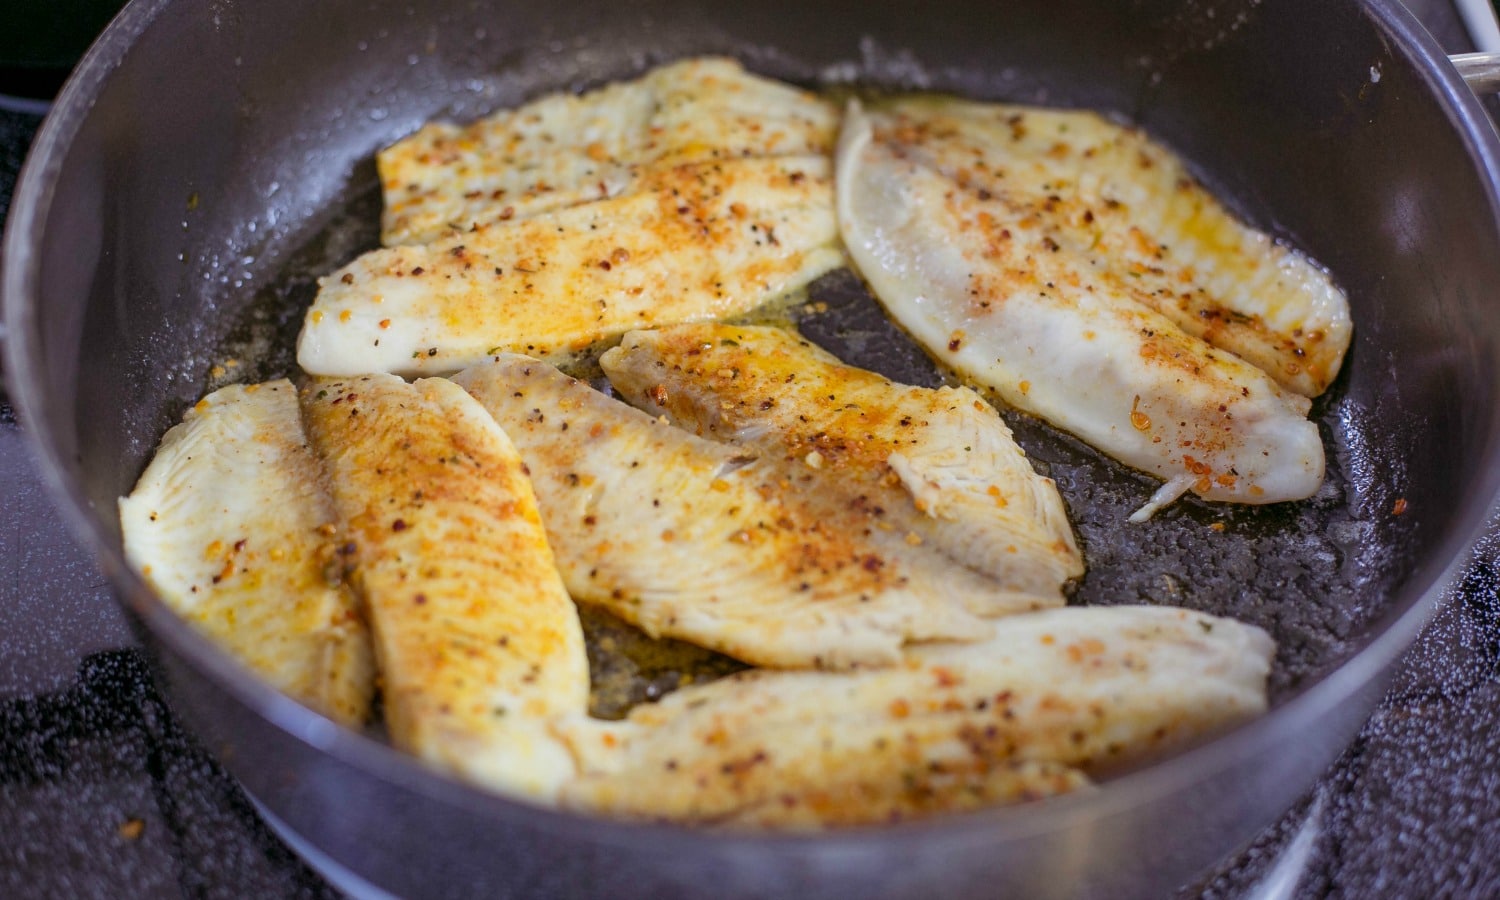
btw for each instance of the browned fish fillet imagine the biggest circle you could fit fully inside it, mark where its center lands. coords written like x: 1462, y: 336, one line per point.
x: 939, y: 465
x: 1051, y: 693
x: 478, y: 642
x: 691, y: 539
x: 564, y: 149
x: 695, y: 242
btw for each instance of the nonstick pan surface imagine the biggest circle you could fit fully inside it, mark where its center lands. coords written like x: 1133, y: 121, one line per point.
x: 209, y: 160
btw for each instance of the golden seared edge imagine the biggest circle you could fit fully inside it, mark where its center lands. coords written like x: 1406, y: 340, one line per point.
x: 696, y: 540
x: 1002, y: 295
x: 563, y: 149
x: 697, y: 241
x: 479, y: 644
x: 233, y: 528
x: 1052, y: 694
x: 939, y: 466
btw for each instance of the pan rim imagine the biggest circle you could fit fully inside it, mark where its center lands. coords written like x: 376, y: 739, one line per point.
x: 1371, y: 664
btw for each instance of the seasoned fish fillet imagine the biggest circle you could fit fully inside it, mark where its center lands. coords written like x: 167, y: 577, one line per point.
x: 232, y: 527
x: 693, y: 539
x: 478, y: 642
x: 1078, y: 688
x: 696, y: 242
x: 997, y: 291
x: 564, y: 149
x: 938, y: 465
x: 1119, y: 203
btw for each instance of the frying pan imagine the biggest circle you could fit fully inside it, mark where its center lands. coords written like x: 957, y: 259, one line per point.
x: 208, y: 158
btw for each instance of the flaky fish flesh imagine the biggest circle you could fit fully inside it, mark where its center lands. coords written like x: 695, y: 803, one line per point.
x: 479, y: 645
x: 693, y: 539
x: 999, y: 278
x: 564, y: 149
x: 1051, y: 696
x: 939, y: 466
x: 233, y: 528
x: 697, y: 241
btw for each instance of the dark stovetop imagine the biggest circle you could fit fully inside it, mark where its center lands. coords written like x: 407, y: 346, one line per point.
x: 103, y: 794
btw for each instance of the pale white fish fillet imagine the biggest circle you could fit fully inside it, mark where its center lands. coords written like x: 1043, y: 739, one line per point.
x: 698, y: 241
x: 1059, y: 339
x: 1115, y: 201
x: 479, y: 645
x: 1087, y: 688
x: 233, y: 528
x: 692, y: 539
x: 940, y: 466
x: 563, y: 149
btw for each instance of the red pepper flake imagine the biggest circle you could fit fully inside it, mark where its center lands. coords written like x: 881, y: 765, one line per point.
x: 398, y: 525
x: 131, y: 829
x: 1399, y: 507
x: 1139, y: 420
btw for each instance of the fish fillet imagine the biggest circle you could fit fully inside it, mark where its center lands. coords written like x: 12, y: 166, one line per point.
x: 696, y: 540
x: 478, y: 642
x: 938, y: 465
x: 232, y: 527
x: 564, y: 149
x: 698, y: 241
x: 991, y: 289
x: 1119, y: 203
x: 1078, y: 689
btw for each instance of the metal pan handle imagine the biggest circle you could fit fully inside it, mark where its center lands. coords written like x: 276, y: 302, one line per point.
x: 1480, y: 70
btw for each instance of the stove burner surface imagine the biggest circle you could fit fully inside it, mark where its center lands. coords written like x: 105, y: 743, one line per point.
x: 100, y: 789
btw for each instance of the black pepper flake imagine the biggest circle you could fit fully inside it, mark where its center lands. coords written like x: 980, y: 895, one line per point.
x: 398, y: 525
x: 348, y: 278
